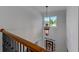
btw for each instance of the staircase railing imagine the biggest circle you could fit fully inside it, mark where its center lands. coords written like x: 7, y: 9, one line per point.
x: 14, y: 43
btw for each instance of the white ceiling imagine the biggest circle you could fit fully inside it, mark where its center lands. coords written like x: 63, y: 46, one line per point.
x: 42, y: 9
x: 50, y: 8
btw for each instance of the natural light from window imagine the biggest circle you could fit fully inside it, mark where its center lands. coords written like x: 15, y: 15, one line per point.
x: 50, y: 20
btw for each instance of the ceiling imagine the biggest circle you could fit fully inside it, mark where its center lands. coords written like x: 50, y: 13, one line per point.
x: 50, y: 8
x: 42, y: 9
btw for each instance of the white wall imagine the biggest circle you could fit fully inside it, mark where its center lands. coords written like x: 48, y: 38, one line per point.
x: 78, y: 28
x: 59, y: 33
x: 72, y: 29
x: 37, y: 31
x: 24, y: 22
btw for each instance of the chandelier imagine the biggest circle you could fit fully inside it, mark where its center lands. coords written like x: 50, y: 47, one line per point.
x: 46, y: 27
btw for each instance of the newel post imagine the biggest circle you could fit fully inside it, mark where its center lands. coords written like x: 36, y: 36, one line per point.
x: 1, y: 28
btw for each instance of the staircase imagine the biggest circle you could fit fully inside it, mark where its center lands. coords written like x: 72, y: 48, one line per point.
x: 14, y: 43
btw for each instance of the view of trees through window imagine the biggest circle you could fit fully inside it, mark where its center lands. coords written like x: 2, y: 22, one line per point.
x: 51, y: 21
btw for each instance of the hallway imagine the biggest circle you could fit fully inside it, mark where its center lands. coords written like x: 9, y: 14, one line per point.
x: 28, y: 22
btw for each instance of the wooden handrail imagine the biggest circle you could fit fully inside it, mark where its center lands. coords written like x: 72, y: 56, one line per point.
x: 26, y: 43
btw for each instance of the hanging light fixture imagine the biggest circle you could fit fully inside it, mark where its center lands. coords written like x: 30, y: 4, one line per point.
x: 46, y: 28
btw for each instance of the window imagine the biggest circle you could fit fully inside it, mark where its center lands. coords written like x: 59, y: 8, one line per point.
x: 51, y: 21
